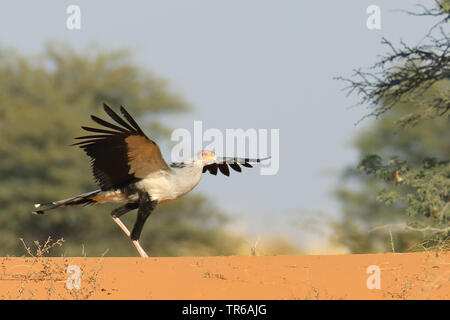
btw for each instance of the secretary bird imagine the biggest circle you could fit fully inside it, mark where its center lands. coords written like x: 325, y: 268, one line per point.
x: 129, y: 169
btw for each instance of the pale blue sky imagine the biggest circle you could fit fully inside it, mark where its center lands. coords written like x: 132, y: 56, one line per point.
x: 243, y: 64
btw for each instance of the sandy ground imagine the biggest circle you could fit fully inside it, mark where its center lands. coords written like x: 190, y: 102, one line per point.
x: 392, y: 276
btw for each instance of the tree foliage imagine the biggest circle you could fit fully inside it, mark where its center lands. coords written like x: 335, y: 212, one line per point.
x: 423, y: 190
x: 406, y: 72
x: 403, y: 177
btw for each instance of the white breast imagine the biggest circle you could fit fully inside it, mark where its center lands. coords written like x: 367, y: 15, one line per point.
x: 165, y: 186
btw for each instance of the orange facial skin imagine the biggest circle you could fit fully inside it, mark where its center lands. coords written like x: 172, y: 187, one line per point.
x: 207, y: 155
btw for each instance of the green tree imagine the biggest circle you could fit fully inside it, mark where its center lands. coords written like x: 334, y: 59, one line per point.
x: 359, y: 193
x: 403, y: 177
x: 44, y: 101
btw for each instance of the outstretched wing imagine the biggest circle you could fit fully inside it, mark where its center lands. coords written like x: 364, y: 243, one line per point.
x: 120, y: 152
x: 223, y: 163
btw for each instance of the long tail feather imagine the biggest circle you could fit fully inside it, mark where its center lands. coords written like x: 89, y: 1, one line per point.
x: 84, y: 198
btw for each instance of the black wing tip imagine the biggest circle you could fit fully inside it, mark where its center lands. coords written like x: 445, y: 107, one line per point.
x: 235, y: 167
x: 124, y: 111
x: 107, y: 109
x: 211, y: 168
x: 98, y: 120
x: 224, y: 169
x: 131, y: 125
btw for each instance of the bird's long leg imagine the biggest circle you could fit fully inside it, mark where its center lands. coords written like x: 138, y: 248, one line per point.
x: 121, y: 226
x: 139, y: 249
x: 146, y: 206
x: 116, y: 213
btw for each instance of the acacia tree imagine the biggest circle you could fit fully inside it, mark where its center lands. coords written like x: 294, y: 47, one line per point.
x: 404, y: 173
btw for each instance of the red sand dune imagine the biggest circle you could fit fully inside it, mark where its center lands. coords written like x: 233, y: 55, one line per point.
x: 401, y: 276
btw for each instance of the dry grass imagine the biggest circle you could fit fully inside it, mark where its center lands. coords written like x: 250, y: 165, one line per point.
x: 47, y: 277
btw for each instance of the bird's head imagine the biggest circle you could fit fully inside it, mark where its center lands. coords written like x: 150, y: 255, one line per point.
x: 205, y: 157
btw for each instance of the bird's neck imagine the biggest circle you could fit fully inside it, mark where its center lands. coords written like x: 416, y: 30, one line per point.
x: 186, y: 176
